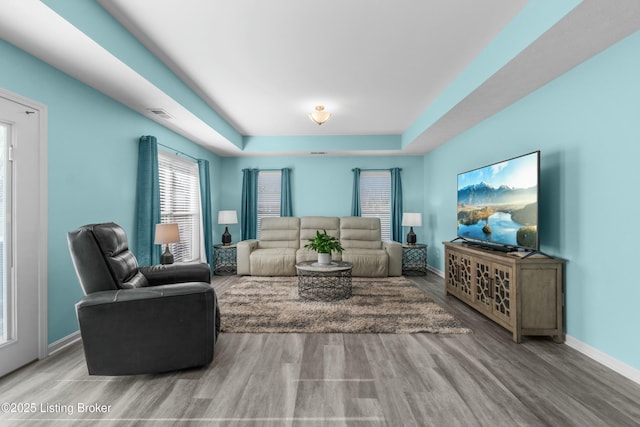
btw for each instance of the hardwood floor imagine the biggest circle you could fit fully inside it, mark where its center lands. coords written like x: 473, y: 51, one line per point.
x: 482, y: 379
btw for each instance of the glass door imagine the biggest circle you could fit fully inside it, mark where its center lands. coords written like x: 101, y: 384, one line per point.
x: 22, y: 256
x: 4, y: 278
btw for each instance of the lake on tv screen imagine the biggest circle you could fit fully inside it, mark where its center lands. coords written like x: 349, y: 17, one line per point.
x: 503, y: 229
x: 499, y: 203
x: 500, y: 226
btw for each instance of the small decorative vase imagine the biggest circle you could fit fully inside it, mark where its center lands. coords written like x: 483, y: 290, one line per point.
x: 324, y: 259
x: 226, y: 237
x: 411, y: 237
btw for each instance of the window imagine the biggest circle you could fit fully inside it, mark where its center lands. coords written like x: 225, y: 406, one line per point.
x: 268, y: 195
x: 180, y: 204
x: 375, y: 199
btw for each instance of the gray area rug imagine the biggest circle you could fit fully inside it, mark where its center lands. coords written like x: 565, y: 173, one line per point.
x: 391, y: 305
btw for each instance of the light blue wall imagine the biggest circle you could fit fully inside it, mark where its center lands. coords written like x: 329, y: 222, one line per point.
x: 98, y: 24
x: 586, y: 124
x: 532, y: 21
x: 92, y: 148
x: 322, y: 143
x: 322, y: 185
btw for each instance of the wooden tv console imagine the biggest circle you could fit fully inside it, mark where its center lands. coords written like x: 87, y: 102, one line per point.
x: 524, y: 295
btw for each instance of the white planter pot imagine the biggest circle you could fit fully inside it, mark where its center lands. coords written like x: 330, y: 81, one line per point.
x: 324, y: 259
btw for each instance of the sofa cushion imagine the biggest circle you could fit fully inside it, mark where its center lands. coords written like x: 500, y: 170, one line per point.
x: 358, y: 232
x: 304, y: 254
x: 367, y: 262
x: 280, y: 232
x: 273, y: 262
x: 309, y: 225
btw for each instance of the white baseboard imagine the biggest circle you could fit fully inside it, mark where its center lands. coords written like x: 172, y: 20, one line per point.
x: 63, y: 342
x: 435, y: 271
x: 622, y: 368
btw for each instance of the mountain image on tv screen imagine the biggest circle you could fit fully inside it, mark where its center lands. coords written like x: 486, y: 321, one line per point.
x: 499, y: 203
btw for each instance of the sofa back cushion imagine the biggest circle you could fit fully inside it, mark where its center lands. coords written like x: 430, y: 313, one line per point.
x: 280, y: 232
x: 309, y: 225
x: 360, y: 233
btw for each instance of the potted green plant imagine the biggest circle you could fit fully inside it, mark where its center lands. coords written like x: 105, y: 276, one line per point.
x: 324, y: 245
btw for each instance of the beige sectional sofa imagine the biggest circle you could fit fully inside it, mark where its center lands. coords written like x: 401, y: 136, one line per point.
x: 282, y: 242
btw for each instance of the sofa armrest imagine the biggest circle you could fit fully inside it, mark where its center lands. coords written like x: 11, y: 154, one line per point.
x: 243, y: 254
x: 177, y: 273
x: 148, y: 330
x: 394, y: 249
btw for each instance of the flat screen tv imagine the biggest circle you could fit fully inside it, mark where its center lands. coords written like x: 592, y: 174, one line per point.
x: 498, y: 204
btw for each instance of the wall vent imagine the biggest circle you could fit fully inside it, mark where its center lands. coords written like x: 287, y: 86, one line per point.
x: 160, y: 112
x: 318, y: 153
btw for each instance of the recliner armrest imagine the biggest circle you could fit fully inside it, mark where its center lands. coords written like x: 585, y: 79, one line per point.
x: 148, y: 330
x: 394, y: 249
x: 177, y: 273
x: 243, y: 255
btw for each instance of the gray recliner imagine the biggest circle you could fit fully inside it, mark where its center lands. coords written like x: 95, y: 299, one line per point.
x: 140, y: 320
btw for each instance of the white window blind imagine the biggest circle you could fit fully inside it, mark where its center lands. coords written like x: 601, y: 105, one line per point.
x: 268, y: 195
x: 375, y: 199
x: 180, y: 203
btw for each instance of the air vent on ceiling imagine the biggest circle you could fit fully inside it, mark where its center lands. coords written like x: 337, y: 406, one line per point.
x: 318, y: 153
x: 160, y: 113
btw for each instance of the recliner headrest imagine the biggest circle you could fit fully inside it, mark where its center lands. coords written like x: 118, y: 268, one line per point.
x: 111, y: 238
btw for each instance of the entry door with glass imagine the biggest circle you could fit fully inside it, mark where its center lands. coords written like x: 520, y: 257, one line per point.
x: 5, y: 279
x: 21, y: 260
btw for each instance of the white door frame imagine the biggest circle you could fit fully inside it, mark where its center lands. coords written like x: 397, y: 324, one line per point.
x: 42, y: 245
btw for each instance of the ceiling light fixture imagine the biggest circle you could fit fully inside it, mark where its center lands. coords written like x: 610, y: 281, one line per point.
x: 319, y: 116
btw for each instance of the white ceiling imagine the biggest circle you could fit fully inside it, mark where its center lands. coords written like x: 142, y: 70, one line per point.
x: 263, y: 65
x: 377, y: 65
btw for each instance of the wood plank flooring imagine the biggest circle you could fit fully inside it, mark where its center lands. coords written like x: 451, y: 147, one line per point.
x: 482, y: 379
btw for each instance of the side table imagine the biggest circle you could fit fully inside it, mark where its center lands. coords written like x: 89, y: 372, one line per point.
x: 224, y: 259
x: 414, y: 259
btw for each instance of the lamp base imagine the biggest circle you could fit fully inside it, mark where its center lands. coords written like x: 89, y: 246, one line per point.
x: 166, y: 257
x: 411, y: 237
x: 226, y: 237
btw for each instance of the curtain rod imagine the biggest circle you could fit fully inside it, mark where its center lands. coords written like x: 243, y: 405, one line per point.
x: 267, y: 170
x: 375, y: 170
x: 178, y: 151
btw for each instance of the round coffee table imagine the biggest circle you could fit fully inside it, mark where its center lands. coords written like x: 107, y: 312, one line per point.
x: 318, y: 282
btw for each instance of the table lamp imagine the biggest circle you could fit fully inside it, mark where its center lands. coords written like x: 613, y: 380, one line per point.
x: 411, y: 219
x: 165, y: 234
x: 226, y: 218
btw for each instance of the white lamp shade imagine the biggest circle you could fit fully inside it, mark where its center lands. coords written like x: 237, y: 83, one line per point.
x: 167, y: 233
x: 227, y: 217
x: 412, y: 219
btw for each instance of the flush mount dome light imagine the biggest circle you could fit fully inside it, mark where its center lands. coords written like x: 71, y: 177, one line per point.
x: 319, y: 116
